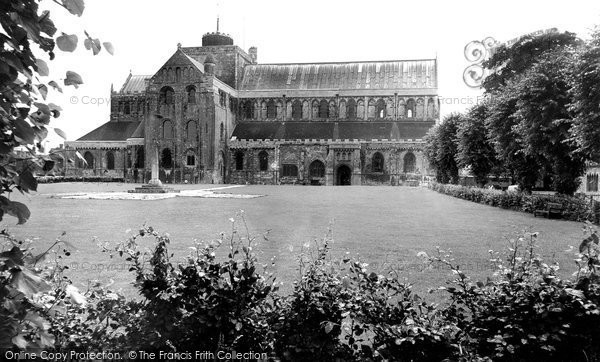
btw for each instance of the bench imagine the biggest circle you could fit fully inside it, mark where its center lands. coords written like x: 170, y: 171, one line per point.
x: 553, y: 209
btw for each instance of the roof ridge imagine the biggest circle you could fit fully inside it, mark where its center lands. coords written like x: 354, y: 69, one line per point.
x: 347, y: 62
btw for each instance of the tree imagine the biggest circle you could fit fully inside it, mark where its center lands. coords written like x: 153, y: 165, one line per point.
x: 24, y: 112
x: 508, y: 62
x: 25, y: 118
x: 544, y: 121
x: 474, y: 149
x: 586, y: 98
x: 441, y: 149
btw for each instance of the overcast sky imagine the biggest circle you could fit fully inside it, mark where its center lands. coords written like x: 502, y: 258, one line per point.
x: 145, y: 34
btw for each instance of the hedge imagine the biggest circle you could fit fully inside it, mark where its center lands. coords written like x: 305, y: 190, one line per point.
x: 574, y: 208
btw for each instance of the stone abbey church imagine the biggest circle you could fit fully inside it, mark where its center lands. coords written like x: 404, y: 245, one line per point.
x: 213, y: 114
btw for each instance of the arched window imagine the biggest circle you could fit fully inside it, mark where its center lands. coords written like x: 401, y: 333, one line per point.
x: 110, y: 160
x: 166, y: 159
x: 271, y: 109
x: 166, y: 95
x: 315, y: 109
x: 297, y: 110
x: 127, y: 109
x: 420, y: 113
x: 351, y: 109
x: 167, y: 130
x: 191, y: 132
x: 139, y: 157
x: 248, y: 110
x: 191, y: 94
x: 239, y: 160
x: 178, y: 74
x: 377, y: 162
x: 190, y: 158
x: 380, y: 109
x: 401, y: 108
x: 360, y: 109
x: 263, y: 160
x: 316, y: 169
x: 410, y: 108
x: 221, y: 132
x: 410, y: 162
x: 89, y: 159
x: 323, y: 109
x: 430, y: 108
x: 342, y: 110
x: 371, y: 109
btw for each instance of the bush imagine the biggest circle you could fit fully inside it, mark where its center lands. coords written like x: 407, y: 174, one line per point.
x: 574, y: 208
x: 339, y: 310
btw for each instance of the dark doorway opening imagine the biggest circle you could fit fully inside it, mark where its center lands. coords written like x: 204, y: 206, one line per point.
x: 344, y: 175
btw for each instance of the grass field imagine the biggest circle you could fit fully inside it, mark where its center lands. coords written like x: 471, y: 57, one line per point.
x: 383, y: 225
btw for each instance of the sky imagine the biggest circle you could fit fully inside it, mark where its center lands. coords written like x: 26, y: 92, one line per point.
x: 145, y: 33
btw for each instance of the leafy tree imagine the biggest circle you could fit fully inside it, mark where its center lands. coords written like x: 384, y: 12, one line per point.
x: 586, y: 98
x: 544, y: 121
x: 509, y: 62
x: 441, y: 149
x: 502, y: 132
x: 474, y: 148
x: 25, y: 116
x: 24, y: 112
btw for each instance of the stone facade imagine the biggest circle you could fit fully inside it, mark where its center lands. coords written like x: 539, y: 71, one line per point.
x: 211, y: 114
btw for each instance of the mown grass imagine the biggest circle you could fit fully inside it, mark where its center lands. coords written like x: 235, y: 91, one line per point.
x: 384, y: 226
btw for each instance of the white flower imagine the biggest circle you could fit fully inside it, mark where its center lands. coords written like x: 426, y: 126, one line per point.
x: 76, y: 297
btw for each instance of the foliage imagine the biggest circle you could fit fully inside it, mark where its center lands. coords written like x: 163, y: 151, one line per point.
x: 509, y: 62
x: 586, y: 98
x: 441, y: 148
x: 204, y: 304
x: 543, y: 121
x: 526, y: 311
x: 574, y: 208
x: 475, y: 151
x: 24, y: 112
x: 338, y: 310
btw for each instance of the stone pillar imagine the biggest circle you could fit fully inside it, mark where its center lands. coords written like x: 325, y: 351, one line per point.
x: 154, y: 165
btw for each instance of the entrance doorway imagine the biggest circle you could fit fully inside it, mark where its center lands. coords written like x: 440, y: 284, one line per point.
x: 344, y: 176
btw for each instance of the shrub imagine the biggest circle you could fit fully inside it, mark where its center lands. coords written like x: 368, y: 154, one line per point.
x: 339, y: 310
x: 574, y: 208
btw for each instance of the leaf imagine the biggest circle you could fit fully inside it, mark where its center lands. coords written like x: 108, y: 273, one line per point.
x: 66, y: 42
x: 29, y: 283
x: 328, y: 327
x: 18, y: 210
x: 20, y: 341
x: 55, y: 85
x: 43, y: 90
x: 93, y: 44
x: 109, y: 47
x: 61, y: 133
x: 37, y: 320
x: 73, y: 79
x: 23, y: 132
x: 41, y: 67
x: 75, y: 7
x: 27, y: 181
x: 47, y: 339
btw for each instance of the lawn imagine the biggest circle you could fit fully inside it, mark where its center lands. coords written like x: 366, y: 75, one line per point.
x: 382, y: 225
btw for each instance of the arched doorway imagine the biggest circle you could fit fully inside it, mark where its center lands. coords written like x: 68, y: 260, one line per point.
x: 344, y: 176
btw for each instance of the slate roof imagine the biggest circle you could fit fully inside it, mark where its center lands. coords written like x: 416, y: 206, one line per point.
x: 111, y: 131
x: 397, y: 74
x: 139, y: 131
x: 135, y: 84
x: 366, y: 131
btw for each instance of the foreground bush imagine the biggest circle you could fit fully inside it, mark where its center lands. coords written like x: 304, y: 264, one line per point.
x: 338, y: 310
x: 574, y: 208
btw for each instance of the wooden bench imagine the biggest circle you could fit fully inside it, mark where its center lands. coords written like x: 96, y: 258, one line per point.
x: 553, y: 209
